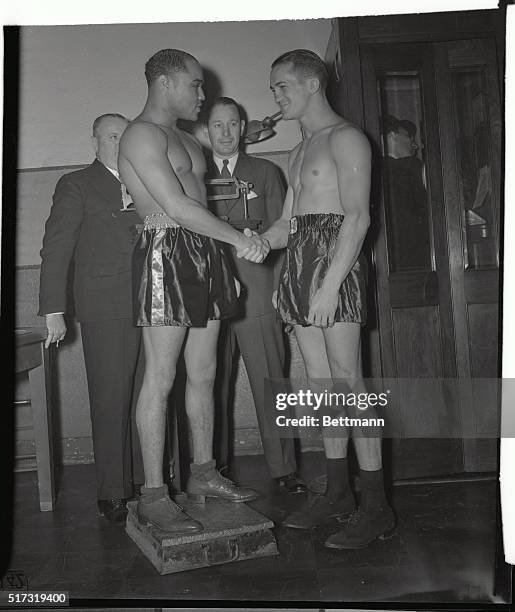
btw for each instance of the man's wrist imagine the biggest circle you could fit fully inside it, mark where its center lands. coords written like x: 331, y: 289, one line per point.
x: 330, y: 288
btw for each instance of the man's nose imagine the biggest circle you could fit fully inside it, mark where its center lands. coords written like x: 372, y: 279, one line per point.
x: 226, y: 130
x: 201, y: 95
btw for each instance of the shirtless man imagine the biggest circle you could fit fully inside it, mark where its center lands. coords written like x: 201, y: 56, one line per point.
x: 322, y: 286
x: 182, y: 282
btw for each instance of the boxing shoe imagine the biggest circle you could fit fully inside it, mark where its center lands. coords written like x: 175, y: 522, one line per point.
x: 213, y: 484
x: 320, y: 510
x: 363, y: 527
x: 156, y: 509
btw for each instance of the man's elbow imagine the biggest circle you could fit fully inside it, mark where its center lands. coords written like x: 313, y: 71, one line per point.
x: 364, y: 221
x: 360, y: 220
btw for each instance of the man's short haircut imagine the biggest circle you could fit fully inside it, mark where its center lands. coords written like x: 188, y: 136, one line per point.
x: 392, y: 124
x: 166, y: 61
x: 223, y: 101
x: 408, y: 126
x: 306, y: 64
x: 98, y: 120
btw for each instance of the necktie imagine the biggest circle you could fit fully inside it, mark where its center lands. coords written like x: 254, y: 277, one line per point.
x: 225, y: 170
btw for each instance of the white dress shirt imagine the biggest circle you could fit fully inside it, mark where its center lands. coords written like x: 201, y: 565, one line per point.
x: 219, y: 161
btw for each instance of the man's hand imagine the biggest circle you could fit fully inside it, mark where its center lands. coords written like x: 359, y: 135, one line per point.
x: 274, y: 299
x: 256, y: 250
x: 323, y: 308
x: 56, y: 328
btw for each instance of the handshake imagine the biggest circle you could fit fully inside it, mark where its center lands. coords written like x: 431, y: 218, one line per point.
x: 255, y: 248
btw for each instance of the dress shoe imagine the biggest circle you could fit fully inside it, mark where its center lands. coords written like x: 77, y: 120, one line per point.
x: 363, y: 527
x: 198, y: 488
x: 156, y: 509
x: 291, y: 483
x: 319, y: 511
x: 114, y: 510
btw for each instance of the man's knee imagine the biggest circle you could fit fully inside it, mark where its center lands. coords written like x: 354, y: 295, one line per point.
x: 202, y: 375
x: 159, y: 380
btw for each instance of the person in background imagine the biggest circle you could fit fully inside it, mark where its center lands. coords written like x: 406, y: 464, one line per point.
x: 256, y: 331
x: 407, y: 207
x: 88, y: 232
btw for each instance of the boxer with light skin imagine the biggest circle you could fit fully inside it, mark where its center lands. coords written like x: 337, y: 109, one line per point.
x: 322, y: 286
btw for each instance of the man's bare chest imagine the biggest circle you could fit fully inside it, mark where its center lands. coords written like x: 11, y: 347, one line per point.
x: 313, y: 165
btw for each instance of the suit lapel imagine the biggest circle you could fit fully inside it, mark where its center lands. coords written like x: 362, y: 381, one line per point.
x: 212, y: 168
x: 242, y: 168
x: 105, y: 183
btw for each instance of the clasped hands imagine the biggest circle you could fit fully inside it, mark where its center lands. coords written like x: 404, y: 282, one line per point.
x: 256, y: 248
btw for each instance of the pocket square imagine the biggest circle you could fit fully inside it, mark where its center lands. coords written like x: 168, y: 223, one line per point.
x: 252, y: 194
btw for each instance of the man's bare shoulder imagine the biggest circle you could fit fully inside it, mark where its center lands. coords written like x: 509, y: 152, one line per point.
x: 188, y: 137
x: 143, y: 133
x: 346, y: 137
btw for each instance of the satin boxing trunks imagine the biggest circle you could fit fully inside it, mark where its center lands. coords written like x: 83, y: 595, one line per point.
x: 180, y: 278
x: 310, y: 249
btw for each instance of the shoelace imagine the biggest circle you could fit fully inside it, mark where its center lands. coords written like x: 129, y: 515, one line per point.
x: 226, y: 480
x: 355, y: 517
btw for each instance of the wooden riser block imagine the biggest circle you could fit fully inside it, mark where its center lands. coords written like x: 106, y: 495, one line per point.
x: 232, y: 532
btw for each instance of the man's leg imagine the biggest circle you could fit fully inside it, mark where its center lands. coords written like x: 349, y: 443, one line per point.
x: 375, y: 517
x: 261, y: 344
x: 110, y: 353
x: 200, y: 359
x: 224, y: 394
x: 338, y: 499
x: 162, y: 348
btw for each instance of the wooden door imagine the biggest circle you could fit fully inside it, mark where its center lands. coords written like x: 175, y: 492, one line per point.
x: 435, y: 279
x: 468, y: 96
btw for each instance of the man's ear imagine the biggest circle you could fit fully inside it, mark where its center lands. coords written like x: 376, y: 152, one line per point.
x: 242, y: 128
x: 313, y: 85
x: 94, y: 144
x: 165, y: 81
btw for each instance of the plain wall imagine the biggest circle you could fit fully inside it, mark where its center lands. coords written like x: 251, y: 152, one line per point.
x: 72, y: 74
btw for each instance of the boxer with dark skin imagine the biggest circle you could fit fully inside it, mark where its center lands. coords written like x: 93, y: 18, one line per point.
x: 326, y: 212
x: 163, y: 168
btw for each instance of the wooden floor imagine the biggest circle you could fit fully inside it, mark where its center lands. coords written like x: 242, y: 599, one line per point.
x: 442, y: 552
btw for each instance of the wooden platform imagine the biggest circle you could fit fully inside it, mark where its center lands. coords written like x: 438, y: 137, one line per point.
x: 232, y: 532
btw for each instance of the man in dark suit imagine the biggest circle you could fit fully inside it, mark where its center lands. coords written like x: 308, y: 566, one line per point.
x: 88, y: 230
x: 256, y: 331
x: 407, y: 207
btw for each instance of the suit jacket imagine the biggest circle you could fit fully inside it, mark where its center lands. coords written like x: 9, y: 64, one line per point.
x: 86, y: 229
x: 258, y: 280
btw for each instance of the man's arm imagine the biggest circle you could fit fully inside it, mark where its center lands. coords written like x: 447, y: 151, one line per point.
x: 274, y: 195
x: 145, y: 147
x: 350, y: 151
x: 61, y: 235
x: 277, y: 233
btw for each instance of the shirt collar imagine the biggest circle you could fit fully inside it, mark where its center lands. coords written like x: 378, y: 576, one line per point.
x: 219, y: 161
x: 113, y: 172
